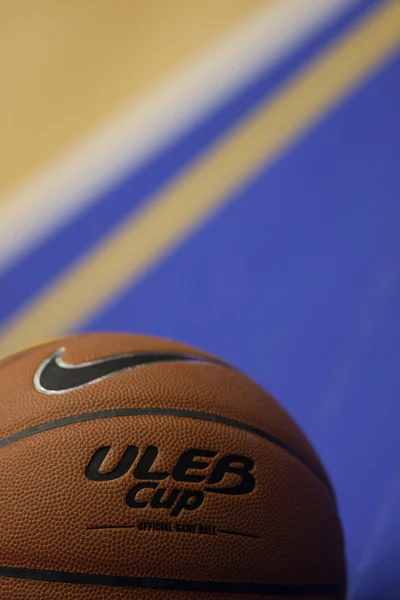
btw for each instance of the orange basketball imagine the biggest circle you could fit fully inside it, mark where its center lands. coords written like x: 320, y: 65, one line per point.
x: 140, y: 468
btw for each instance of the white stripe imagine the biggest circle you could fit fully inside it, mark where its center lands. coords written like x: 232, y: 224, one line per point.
x: 74, y: 180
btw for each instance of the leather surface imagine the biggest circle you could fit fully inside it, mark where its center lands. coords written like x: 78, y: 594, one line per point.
x: 54, y: 518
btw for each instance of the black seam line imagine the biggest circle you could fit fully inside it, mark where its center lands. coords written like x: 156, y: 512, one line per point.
x: 170, y: 584
x: 173, y: 412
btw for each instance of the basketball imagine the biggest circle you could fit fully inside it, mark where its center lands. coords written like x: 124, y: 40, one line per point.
x: 134, y: 467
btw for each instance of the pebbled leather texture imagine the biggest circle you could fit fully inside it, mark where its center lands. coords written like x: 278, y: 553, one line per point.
x: 53, y: 518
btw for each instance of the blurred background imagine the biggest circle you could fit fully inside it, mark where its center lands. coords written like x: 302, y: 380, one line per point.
x: 226, y: 173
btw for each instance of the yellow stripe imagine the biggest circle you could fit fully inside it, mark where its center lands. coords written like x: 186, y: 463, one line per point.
x: 139, y: 242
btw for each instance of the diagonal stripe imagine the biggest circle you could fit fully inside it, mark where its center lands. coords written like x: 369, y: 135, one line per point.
x: 109, y: 206
x: 153, y: 119
x: 174, y: 214
x: 72, y: 69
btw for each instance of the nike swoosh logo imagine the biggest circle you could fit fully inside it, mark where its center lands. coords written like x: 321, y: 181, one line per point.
x: 54, y: 376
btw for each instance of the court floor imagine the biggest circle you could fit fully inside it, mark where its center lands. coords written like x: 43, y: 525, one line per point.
x: 266, y: 232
